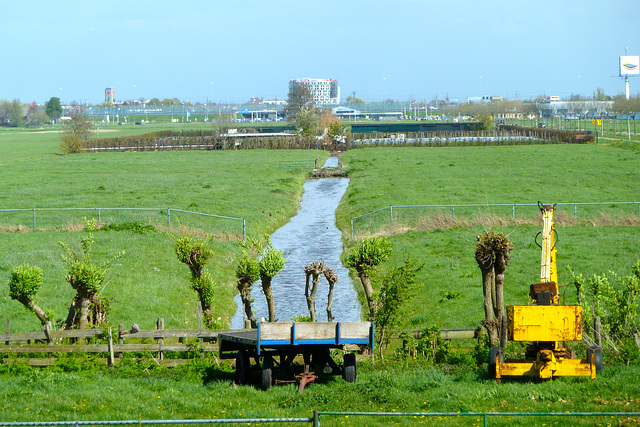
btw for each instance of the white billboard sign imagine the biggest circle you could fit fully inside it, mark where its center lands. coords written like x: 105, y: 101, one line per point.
x: 629, y: 65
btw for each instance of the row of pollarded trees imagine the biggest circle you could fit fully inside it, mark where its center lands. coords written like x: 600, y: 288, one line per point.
x: 259, y: 260
x: 85, y: 276
x: 387, y: 293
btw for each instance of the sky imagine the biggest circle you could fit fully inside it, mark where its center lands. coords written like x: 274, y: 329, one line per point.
x: 230, y: 51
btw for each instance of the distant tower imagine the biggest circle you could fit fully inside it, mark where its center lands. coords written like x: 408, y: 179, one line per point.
x: 110, y: 95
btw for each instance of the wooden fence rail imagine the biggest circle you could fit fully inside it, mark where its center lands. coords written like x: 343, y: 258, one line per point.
x: 49, y: 341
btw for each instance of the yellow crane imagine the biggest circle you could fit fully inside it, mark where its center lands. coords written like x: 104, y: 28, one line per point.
x: 545, y: 323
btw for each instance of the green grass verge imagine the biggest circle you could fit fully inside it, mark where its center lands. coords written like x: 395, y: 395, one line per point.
x: 203, y: 390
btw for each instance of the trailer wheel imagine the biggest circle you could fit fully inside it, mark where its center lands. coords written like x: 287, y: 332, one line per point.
x: 597, y: 352
x: 243, y: 364
x: 493, y: 354
x: 349, y: 370
x: 267, y: 372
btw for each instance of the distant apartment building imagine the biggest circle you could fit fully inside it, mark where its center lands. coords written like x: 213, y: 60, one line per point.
x: 324, y: 91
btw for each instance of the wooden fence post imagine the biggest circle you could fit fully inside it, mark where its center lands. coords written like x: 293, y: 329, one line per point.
x: 200, y: 340
x: 47, y: 332
x: 160, y: 327
x: 120, y: 339
x: 111, y: 360
x: 8, y: 329
x: 597, y: 331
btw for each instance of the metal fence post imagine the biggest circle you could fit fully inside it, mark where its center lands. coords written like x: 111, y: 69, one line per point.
x: 513, y: 212
x: 244, y: 229
x: 575, y: 211
x: 453, y: 212
x: 34, y: 220
x: 390, y: 218
x: 352, y: 221
x: 99, y: 217
x: 169, y: 217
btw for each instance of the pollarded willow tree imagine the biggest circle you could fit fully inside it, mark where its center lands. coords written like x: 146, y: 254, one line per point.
x: 271, y: 263
x: 259, y: 260
x: 247, y: 273
x: 195, y: 255
x: 365, y: 258
x: 312, y: 272
x: 332, y: 278
x: 88, y: 280
x: 24, y: 284
x: 493, y: 253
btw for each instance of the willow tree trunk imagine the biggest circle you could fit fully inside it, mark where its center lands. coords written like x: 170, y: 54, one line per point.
x: 245, y: 295
x: 73, y: 313
x: 32, y: 306
x: 313, y: 271
x: 310, y: 293
x: 486, y: 264
x: 332, y: 278
x: 85, y: 301
x: 268, y: 294
x: 368, y: 292
x: 500, y: 265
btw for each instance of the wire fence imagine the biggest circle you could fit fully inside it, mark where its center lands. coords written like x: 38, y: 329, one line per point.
x: 393, y: 218
x: 60, y: 218
x: 324, y: 416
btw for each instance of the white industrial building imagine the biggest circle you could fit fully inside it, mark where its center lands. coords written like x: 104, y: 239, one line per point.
x: 324, y: 91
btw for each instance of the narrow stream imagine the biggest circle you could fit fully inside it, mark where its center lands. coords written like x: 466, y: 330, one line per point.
x: 310, y: 236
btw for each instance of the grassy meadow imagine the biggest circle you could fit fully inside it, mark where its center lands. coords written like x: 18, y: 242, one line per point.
x: 265, y: 187
x: 382, y: 177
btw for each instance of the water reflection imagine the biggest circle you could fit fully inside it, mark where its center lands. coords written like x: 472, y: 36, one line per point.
x: 311, y: 235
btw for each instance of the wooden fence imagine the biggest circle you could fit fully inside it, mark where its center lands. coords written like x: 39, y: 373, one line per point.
x: 152, y: 343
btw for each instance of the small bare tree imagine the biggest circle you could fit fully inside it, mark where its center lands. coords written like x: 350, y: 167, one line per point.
x: 76, y: 132
x: 313, y: 272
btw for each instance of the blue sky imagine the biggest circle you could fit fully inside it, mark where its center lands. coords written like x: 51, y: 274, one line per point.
x: 230, y: 51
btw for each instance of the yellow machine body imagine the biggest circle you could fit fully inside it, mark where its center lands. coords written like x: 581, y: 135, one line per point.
x: 547, y: 365
x: 544, y: 322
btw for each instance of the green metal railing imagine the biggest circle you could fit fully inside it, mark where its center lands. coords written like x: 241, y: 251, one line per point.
x: 99, y: 212
x: 505, y: 208
x: 315, y: 419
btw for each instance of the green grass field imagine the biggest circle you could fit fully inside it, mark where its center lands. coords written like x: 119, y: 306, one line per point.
x: 262, y: 187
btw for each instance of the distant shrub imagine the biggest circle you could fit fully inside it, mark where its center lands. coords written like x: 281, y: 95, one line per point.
x: 134, y: 227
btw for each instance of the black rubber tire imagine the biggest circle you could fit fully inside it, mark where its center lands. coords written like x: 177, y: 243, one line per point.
x: 267, y: 372
x: 349, y: 370
x: 597, y: 352
x: 243, y: 364
x: 493, y: 353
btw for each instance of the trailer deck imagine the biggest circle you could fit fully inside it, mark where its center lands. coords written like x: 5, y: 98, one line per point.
x: 274, y: 346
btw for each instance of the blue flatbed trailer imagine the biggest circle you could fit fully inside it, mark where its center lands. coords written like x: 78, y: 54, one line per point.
x: 274, y: 346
